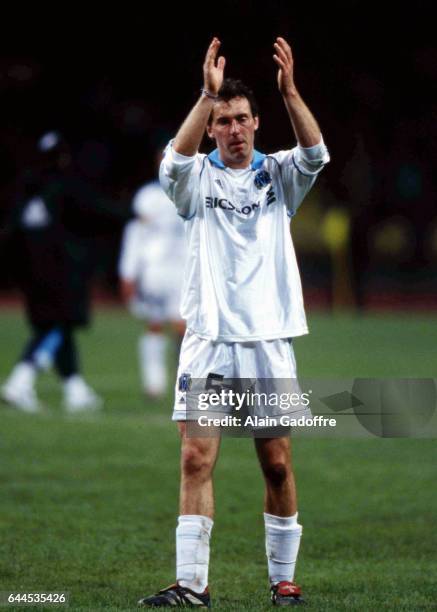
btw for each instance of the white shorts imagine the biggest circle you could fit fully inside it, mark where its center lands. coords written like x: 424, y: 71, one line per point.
x: 157, y: 307
x: 269, y: 363
x: 158, y: 293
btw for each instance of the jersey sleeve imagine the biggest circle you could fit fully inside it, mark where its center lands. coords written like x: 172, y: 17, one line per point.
x: 130, y: 245
x: 179, y: 176
x: 298, y: 170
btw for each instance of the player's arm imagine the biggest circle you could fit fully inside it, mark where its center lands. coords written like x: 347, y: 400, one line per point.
x: 190, y: 134
x: 128, y: 290
x: 305, y: 126
x: 302, y: 164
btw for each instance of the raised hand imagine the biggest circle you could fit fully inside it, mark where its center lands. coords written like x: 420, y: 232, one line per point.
x: 212, y: 73
x: 284, y: 60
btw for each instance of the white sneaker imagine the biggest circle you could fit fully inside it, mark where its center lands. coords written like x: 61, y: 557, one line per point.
x: 23, y: 398
x: 19, y: 388
x: 78, y: 396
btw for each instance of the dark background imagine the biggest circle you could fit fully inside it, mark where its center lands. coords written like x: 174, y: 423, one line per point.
x: 118, y: 82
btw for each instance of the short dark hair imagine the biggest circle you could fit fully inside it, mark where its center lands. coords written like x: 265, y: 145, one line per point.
x: 234, y: 88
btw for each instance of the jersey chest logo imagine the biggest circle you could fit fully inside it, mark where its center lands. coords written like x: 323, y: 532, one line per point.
x: 225, y: 204
x: 218, y: 203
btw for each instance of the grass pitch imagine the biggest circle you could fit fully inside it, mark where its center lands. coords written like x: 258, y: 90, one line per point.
x: 88, y: 505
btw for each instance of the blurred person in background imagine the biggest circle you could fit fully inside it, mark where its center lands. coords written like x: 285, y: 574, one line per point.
x: 151, y: 273
x: 52, y: 225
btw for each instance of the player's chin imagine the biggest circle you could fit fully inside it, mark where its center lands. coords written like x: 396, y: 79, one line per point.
x: 238, y: 153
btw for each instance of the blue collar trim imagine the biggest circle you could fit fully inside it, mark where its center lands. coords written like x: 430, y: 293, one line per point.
x: 256, y: 163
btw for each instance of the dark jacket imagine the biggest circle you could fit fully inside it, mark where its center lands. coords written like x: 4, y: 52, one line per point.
x: 53, y: 225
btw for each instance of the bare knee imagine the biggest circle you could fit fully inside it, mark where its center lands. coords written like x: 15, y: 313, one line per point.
x: 276, y: 474
x: 195, y: 462
x: 156, y: 328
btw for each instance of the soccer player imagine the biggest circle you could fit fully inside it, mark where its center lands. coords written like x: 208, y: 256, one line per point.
x: 152, y: 254
x: 242, y: 300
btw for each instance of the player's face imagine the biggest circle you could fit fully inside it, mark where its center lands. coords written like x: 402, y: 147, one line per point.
x: 233, y: 128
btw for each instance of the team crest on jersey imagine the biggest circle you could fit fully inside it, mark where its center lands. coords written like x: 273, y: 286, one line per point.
x: 262, y: 178
x: 185, y: 382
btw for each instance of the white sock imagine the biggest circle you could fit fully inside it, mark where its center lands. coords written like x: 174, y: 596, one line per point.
x: 192, y: 551
x: 152, y: 362
x: 282, y: 545
x: 23, y: 375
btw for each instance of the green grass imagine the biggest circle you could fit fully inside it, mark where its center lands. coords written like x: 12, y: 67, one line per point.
x: 89, y: 504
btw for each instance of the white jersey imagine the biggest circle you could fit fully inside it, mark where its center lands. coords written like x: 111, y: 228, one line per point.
x: 152, y: 253
x: 241, y: 280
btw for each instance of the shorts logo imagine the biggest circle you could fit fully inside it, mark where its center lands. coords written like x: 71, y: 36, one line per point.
x: 185, y: 382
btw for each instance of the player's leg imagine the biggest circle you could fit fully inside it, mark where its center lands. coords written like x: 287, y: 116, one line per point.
x: 19, y: 388
x: 162, y: 315
x: 198, y: 458
x: 152, y: 356
x: 274, y: 455
x: 196, y: 509
x: 274, y: 367
x: 198, y: 357
x: 161, y: 308
x: 67, y: 358
x: 41, y: 350
x: 195, y: 521
x: 282, y: 531
x: 78, y: 395
x: 150, y: 306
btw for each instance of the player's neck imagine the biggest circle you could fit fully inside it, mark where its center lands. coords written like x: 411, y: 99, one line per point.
x: 238, y: 166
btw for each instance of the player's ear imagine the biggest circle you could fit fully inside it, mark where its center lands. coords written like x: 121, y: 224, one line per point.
x: 209, y: 130
x: 256, y: 122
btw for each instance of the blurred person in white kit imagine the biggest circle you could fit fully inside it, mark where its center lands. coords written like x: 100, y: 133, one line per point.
x: 151, y: 267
